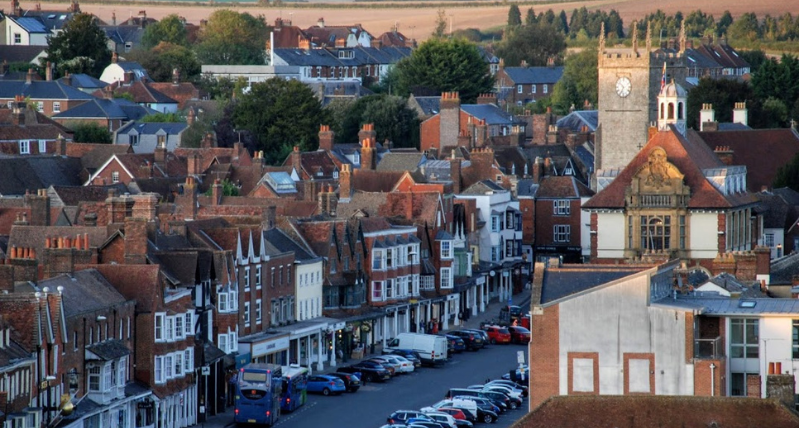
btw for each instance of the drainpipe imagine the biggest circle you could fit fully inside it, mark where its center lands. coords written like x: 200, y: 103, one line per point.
x: 712, y: 379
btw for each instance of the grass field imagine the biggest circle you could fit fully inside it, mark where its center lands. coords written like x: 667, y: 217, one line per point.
x: 418, y: 21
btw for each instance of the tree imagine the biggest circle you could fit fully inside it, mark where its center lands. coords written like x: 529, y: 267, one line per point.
x: 164, y: 58
x: 578, y: 83
x: 723, y: 94
x: 445, y: 65
x: 745, y: 28
x: 162, y: 118
x: 755, y: 58
x: 724, y: 22
x: 230, y: 37
x: 169, y: 30
x: 788, y: 175
x: 441, y: 24
x: 392, y: 118
x: 532, y: 43
x: 228, y: 189
x: 79, y: 48
x: 529, y: 18
x: 279, y: 114
x: 90, y: 132
x: 514, y: 16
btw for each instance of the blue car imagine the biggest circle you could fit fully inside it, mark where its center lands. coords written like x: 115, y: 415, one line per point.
x: 326, y: 384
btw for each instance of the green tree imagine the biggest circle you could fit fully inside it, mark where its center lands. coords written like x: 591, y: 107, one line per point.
x: 514, y: 16
x: 164, y: 58
x: 203, y: 123
x: 533, y: 43
x: 162, y: 118
x: 529, y: 17
x: 228, y: 189
x: 392, y: 118
x: 562, y: 23
x: 579, y: 81
x: 79, y: 48
x: 755, y: 58
x: 445, y: 65
x: 724, y: 23
x: 723, y: 94
x: 745, y: 28
x: 775, y: 113
x: 778, y: 79
x: 441, y: 24
x: 169, y: 30
x: 279, y: 114
x: 90, y: 132
x: 230, y: 37
x: 788, y: 175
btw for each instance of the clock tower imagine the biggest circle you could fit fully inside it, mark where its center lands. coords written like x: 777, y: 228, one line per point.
x: 629, y: 81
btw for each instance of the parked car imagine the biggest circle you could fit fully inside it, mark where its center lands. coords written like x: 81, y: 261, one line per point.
x: 513, y: 385
x: 455, y: 413
x: 325, y: 384
x: 410, y: 354
x: 497, y: 334
x: 495, y: 394
x: 390, y: 366
x: 485, y: 409
x: 424, y: 423
x: 400, y: 364
x: 472, y: 340
x: 455, y: 344
x: 514, y: 393
x: 482, y: 334
x: 446, y: 420
x: 372, y: 371
x: 468, y: 407
x: 352, y: 381
x: 402, y: 416
x: 519, y: 334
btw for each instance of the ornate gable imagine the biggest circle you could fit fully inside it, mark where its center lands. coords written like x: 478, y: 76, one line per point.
x: 657, y: 184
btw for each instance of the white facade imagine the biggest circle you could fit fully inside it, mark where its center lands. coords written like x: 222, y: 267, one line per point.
x: 252, y: 73
x: 610, y: 235
x: 308, y: 289
x: 115, y: 73
x: 16, y: 35
x: 585, y: 230
x: 704, y: 236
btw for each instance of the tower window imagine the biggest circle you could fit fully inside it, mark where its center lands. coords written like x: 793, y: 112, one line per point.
x: 679, y: 111
x: 671, y: 110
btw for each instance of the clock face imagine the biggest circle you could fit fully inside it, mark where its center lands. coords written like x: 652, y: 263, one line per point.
x: 623, y: 86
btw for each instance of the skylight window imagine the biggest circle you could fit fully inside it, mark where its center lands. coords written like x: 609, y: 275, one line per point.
x: 747, y: 304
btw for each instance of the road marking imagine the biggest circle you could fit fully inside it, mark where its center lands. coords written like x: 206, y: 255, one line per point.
x: 290, y: 416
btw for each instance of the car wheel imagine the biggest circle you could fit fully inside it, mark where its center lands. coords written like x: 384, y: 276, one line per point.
x: 488, y: 418
x: 513, y: 405
x: 325, y: 391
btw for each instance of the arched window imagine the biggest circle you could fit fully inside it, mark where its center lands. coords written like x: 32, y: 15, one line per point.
x: 662, y: 111
x: 679, y: 111
x: 671, y: 110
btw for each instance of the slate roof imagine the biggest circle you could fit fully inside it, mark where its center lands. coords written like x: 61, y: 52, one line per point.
x: 37, y: 127
x: 282, y: 243
x: 85, y: 291
x: 748, y: 146
x: 724, y: 306
x: 784, y: 269
x: 121, y: 34
x: 41, y: 89
x: 483, y: 186
x: 526, y: 188
x: 776, y: 211
x: 30, y: 173
x: 561, y: 187
x: 575, y: 120
x: 83, y: 81
x: 20, y: 53
x: 151, y: 128
x: 572, y: 279
x: 102, y: 108
x: 14, y: 353
x: 51, y: 19
x: 534, y: 75
x: 429, y: 105
x: 109, y: 349
x: 691, y: 156
x: 789, y: 195
x: 511, y: 160
x: 490, y: 113
x: 733, y: 285
x: 650, y: 411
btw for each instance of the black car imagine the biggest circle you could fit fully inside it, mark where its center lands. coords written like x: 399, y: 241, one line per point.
x: 371, y: 371
x: 473, y: 340
x: 402, y: 416
x: 487, y: 411
x: 409, y: 355
x: 498, y: 396
x: 351, y: 380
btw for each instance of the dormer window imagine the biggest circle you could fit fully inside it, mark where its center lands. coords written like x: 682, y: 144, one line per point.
x: 446, y: 249
x: 346, y: 54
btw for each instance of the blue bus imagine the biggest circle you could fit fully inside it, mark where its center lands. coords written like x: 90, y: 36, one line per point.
x: 295, y: 384
x: 258, y: 389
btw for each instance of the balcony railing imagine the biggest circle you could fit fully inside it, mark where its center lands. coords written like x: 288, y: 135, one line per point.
x: 708, y: 348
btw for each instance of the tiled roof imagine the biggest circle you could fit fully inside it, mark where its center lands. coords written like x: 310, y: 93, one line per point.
x: 138, y: 282
x: 40, y: 90
x: 73, y: 195
x: 512, y: 160
x: 649, y: 411
x: 20, y: 53
x: 35, y: 236
x: 394, y: 38
x: 21, y: 174
x: 284, y: 244
x: 776, y: 211
x: 558, y: 187
x: 93, y: 156
x: 747, y: 147
x: 534, y: 75
x: 575, y: 120
x: 374, y: 224
x: 490, y: 113
x: 30, y: 24
x: 691, y: 156
x: 366, y: 202
x: 180, y: 92
x: 571, y: 279
x: 141, y: 92
x: 481, y: 187
x: 375, y: 181
x: 784, y: 269
x: 287, y: 36
x: 37, y: 127
x: 725, y: 306
x: 109, y: 349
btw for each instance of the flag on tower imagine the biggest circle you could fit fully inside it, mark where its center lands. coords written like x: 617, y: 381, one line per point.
x: 663, y: 78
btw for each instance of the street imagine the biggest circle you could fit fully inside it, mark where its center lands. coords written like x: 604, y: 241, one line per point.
x: 373, y: 403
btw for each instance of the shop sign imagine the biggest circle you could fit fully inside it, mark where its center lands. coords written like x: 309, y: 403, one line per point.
x: 272, y: 346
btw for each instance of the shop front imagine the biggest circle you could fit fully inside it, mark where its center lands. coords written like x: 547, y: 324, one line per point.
x: 266, y: 348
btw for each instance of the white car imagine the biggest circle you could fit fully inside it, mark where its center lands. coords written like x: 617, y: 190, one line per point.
x: 442, y: 418
x: 400, y: 364
x: 467, y: 405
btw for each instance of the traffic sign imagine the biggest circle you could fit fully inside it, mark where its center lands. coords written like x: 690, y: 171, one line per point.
x: 520, y: 357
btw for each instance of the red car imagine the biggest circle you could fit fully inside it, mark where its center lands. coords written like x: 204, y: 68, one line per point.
x: 455, y: 413
x: 497, y: 334
x: 519, y: 335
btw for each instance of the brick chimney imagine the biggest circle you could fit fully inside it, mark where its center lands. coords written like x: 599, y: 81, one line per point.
x: 480, y: 133
x: 725, y: 154
x: 367, y: 154
x: 482, y: 160
x: 114, y: 58
x: 194, y: 163
x: 159, y: 155
x: 119, y: 207
x: 326, y: 138
x: 48, y: 72
x: 270, y: 216
x: 186, y: 200
x: 39, y: 205
x: 449, y: 119
x: 455, y: 173
x: 61, y: 145
x: 135, y: 241
x: 144, y: 206
x: 190, y: 117
x: 18, y: 112
x: 367, y: 131
x: 208, y: 141
x: 487, y: 98
x: 538, y: 165
x: 216, y: 192
x: 345, y: 182
x: 296, y: 161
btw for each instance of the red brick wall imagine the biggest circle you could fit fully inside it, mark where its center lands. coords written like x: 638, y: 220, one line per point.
x: 429, y: 133
x: 702, y: 378
x: 722, y: 244
x: 528, y: 209
x: 104, y: 177
x: 544, y: 355
x: 753, y: 386
x: 636, y: 356
x: 594, y: 241
x: 545, y: 220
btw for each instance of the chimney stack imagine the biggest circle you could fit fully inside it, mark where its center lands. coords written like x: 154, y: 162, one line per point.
x: 48, y: 72
x: 449, y: 120
x: 216, y: 192
x: 345, y: 182
x: 455, y: 173
x: 740, y: 114
x: 367, y: 154
x: 706, y: 115
x: 326, y: 138
x: 18, y: 111
x: 296, y: 161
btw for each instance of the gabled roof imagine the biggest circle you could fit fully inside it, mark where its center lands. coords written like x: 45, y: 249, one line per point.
x: 534, y: 75
x: 691, y: 157
x: 30, y: 173
x: 784, y: 269
x: 490, y: 113
x: 429, y: 105
x: 121, y: 34
x: 180, y: 92
x: 93, y: 156
x: 41, y: 89
x: 560, y: 187
x: 35, y: 236
x: 575, y: 120
x: 776, y: 211
x: 375, y: 181
x: 483, y: 186
x: 37, y: 127
x: 526, y: 188
x: 747, y: 147
x: 649, y: 411
x: 141, y: 92
x: 85, y: 291
x: 51, y: 19
x: 283, y: 243
x: 153, y: 128
x: 83, y: 81
x: 74, y: 195
x: 32, y: 25
x: 102, y: 108
x: 568, y: 280
x: 20, y: 53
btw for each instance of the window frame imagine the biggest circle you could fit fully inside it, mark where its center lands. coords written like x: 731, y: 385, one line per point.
x: 159, y: 332
x: 24, y: 147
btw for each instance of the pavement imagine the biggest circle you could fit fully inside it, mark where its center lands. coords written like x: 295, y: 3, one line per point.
x: 225, y: 419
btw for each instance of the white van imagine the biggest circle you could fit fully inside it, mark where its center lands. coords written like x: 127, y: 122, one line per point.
x: 467, y: 405
x: 431, y: 348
